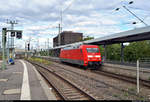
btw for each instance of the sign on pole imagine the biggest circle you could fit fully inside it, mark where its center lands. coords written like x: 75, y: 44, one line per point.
x: 4, y: 33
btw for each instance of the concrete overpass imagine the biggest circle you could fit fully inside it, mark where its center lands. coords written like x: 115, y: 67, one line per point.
x: 138, y: 34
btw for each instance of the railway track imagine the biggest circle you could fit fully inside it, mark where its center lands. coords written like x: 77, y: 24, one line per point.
x: 133, y: 80
x: 105, y: 84
x: 92, y: 85
x: 65, y: 89
x: 143, y: 82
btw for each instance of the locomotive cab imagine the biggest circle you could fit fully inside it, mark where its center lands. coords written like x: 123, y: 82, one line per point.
x: 92, y: 56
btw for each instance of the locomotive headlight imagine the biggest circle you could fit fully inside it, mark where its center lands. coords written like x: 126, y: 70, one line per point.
x: 90, y: 56
x: 97, y: 56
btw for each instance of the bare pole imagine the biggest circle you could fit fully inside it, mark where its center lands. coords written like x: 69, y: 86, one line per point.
x: 26, y: 49
x: 61, y: 20
x: 138, y: 89
x: 62, y: 11
x: 4, y: 46
x: 60, y: 26
x: 8, y: 44
x: 48, y: 46
x: 37, y: 45
x: 45, y: 45
x: 12, y: 22
x: 59, y: 36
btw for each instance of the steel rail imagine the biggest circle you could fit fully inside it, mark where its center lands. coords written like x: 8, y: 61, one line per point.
x: 117, y: 76
x: 66, y: 81
x: 123, y: 77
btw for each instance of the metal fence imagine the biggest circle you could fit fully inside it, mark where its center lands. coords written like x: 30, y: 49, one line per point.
x: 144, y: 63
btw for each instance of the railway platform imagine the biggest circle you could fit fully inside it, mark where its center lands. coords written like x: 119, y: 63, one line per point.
x: 22, y: 81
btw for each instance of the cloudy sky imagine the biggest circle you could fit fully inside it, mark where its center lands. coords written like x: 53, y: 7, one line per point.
x: 39, y: 19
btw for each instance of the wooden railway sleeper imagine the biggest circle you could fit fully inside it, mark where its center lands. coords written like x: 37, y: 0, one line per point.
x: 66, y: 92
x: 60, y: 91
x: 76, y: 97
x: 66, y: 89
x: 72, y: 94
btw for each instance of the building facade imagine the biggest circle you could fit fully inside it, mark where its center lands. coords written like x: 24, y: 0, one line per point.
x: 67, y: 37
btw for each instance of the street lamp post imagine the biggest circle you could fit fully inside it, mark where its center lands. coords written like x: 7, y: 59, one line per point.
x: 131, y: 2
x: 135, y: 16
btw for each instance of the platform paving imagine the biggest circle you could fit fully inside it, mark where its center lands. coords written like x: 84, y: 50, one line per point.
x: 15, y: 84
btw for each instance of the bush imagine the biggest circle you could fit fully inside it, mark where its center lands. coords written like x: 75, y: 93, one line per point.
x: 40, y: 60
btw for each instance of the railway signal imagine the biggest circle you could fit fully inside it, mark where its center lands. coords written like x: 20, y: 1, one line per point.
x: 5, y: 39
x: 4, y: 33
x: 19, y: 35
x: 12, y: 34
x: 28, y: 46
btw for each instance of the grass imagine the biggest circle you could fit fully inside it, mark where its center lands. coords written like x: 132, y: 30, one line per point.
x: 132, y: 89
x: 149, y: 78
x: 126, y: 94
x: 141, y: 98
x: 0, y: 57
x: 115, y: 95
x: 43, y: 61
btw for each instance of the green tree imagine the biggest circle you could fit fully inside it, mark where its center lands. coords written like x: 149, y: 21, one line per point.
x: 87, y: 38
x: 132, y: 52
x: 113, y: 52
x: 136, y: 50
x: 101, y: 47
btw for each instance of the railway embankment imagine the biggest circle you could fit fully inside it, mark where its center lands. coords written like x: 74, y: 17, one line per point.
x: 100, y: 86
x: 117, y: 69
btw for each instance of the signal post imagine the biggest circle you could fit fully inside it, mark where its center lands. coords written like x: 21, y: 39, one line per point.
x: 17, y: 33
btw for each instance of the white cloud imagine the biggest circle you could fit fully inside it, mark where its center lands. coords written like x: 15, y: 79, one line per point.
x: 39, y: 19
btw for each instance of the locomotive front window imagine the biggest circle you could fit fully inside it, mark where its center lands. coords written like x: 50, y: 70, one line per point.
x: 92, y: 50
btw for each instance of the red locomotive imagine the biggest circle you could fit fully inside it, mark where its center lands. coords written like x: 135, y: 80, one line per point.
x: 85, y: 55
